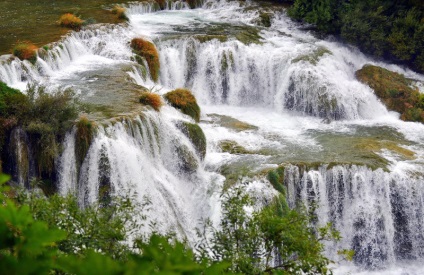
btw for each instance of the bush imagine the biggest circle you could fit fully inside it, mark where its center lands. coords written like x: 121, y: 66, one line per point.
x: 184, y: 100
x: 45, y: 117
x: 251, y: 242
x: 68, y: 20
x: 147, y: 50
x: 151, y: 99
x: 25, y: 51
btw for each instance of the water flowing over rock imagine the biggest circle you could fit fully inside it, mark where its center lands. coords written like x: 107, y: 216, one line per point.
x: 272, y: 95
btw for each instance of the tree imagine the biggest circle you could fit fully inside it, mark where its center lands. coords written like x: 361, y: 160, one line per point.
x: 273, y: 239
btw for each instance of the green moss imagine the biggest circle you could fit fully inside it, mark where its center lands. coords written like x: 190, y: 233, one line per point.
x: 188, y: 162
x: 249, y: 36
x: 395, y: 91
x: 207, y: 37
x: 196, y: 136
x: 83, y: 138
x: 232, y: 123
x: 276, y: 178
x: 265, y: 19
x: 147, y: 50
x: 232, y: 147
x: 184, y: 100
x: 314, y: 57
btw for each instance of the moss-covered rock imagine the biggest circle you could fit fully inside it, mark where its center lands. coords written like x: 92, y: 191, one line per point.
x: 188, y: 161
x: 232, y: 147
x: 314, y: 57
x: 185, y: 101
x: 265, y: 19
x: 395, y: 91
x: 232, y: 123
x: 84, y: 136
x: 202, y: 38
x: 120, y: 12
x: 196, y: 136
x: 146, y: 50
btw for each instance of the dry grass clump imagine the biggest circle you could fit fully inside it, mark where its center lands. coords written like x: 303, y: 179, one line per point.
x: 151, y: 99
x: 120, y: 12
x: 69, y: 20
x: 147, y: 50
x: 25, y: 51
x: 184, y: 100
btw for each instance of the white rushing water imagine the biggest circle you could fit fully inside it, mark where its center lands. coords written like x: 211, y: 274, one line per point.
x: 298, y: 97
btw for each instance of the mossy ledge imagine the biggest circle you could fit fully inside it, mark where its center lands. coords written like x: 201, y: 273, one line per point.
x: 146, y: 50
x: 85, y: 131
x: 395, y: 91
x: 196, y: 136
x: 185, y: 101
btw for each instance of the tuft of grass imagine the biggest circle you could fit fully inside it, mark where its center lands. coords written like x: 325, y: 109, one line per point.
x: 185, y: 101
x: 69, y: 20
x: 120, y: 12
x: 148, y: 51
x: 395, y: 91
x: 151, y: 99
x: 25, y: 51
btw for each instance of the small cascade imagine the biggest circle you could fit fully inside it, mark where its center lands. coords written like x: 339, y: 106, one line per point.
x: 379, y: 214
x: 20, y: 159
x: 274, y: 77
x: 153, y: 6
x: 149, y: 157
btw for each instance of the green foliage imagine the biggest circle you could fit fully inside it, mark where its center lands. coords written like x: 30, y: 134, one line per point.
x: 250, y: 241
x: 26, y: 246
x: 45, y: 117
x: 94, y: 227
x: 384, y: 28
x: 185, y: 101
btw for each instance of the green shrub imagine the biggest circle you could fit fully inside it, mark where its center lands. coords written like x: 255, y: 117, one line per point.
x: 184, y: 100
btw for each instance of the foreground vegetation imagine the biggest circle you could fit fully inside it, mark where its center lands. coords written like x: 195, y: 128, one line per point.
x: 54, y: 235
x: 388, y: 29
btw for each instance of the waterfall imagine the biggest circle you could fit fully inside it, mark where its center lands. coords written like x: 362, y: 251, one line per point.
x: 279, y: 93
x: 148, y: 156
x: 379, y: 214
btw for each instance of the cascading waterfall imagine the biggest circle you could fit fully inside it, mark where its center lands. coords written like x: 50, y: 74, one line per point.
x: 149, y: 156
x: 282, y: 71
x: 380, y: 214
